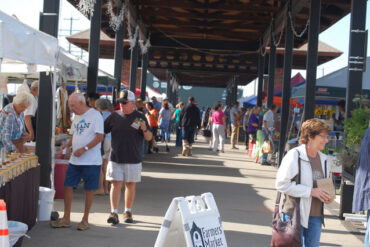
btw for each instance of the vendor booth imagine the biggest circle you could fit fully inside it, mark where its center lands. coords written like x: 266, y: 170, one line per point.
x: 24, y: 52
x: 21, y: 44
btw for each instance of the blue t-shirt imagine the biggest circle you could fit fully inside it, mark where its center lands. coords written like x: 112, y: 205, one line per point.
x: 166, y: 114
x: 106, y: 114
x: 233, y: 111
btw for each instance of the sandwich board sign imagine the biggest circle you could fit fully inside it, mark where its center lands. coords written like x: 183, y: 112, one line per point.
x: 193, y: 221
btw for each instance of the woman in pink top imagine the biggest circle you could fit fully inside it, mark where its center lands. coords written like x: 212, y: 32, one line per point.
x: 218, y: 127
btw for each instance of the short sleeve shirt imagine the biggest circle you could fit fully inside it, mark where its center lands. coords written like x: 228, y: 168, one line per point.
x: 153, y: 121
x: 252, y: 119
x: 177, y: 113
x: 233, y: 111
x: 84, y: 129
x: 217, y: 117
x: 157, y: 105
x: 166, y: 114
x: 105, y: 115
x: 269, y: 118
x: 31, y: 109
x: 127, y: 136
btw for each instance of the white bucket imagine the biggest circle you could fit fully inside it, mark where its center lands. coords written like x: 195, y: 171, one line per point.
x: 46, y: 199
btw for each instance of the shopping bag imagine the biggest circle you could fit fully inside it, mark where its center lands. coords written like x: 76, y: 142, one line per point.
x: 267, y: 147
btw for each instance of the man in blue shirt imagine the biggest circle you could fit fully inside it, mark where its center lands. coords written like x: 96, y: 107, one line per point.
x: 157, y: 105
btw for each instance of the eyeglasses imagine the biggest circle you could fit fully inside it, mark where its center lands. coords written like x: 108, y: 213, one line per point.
x: 324, y: 136
x: 123, y: 103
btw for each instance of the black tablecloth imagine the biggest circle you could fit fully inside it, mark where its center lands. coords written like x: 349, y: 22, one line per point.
x: 21, y: 195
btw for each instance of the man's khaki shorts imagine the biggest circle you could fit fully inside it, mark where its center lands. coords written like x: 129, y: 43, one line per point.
x: 124, y: 172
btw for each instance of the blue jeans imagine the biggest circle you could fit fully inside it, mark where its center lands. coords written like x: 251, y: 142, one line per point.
x: 178, y: 134
x: 310, y: 236
x: 165, y: 130
x: 367, y: 240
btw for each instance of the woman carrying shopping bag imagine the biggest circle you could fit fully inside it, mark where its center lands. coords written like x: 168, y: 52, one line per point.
x: 313, y: 168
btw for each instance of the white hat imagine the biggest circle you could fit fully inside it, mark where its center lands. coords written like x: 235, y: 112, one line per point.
x: 125, y: 96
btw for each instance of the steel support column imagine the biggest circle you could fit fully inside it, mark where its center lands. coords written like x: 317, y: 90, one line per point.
x: 44, y: 142
x: 133, y: 67
x: 94, y: 48
x: 235, y: 88
x: 228, y: 96
x: 285, y: 109
x: 311, y: 67
x: 144, y: 71
x: 261, y: 69
x: 118, y: 56
x: 357, y: 52
x: 272, y: 67
x: 169, y: 86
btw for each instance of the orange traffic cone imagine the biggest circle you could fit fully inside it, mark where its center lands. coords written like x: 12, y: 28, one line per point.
x: 4, y: 232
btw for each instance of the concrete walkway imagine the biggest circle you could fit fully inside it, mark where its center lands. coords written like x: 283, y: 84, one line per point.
x: 243, y: 190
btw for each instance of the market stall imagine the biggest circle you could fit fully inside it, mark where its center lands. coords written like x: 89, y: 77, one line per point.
x: 21, y: 44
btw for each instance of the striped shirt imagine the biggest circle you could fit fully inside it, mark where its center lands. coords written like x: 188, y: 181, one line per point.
x: 11, y: 127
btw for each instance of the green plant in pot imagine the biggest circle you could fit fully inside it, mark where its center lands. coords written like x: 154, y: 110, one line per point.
x: 354, y: 128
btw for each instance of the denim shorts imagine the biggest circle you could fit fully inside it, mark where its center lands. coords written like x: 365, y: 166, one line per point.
x: 90, y: 175
x: 188, y: 134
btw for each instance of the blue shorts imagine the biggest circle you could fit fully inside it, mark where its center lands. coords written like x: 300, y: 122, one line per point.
x: 188, y: 134
x: 90, y: 175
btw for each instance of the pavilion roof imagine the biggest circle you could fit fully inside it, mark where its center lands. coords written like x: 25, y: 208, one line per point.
x: 207, y: 41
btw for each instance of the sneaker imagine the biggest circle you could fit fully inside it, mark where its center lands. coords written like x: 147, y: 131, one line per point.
x: 190, y: 152
x: 113, y: 219
x: 265, y: 163
x: 82, y: 226
x: 61, y: 223
x: 127, y: 217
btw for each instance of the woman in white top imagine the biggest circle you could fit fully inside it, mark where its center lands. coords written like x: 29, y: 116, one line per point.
x: 314, y: 136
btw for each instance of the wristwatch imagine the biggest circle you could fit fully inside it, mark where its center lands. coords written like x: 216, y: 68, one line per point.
x: 86, y: 148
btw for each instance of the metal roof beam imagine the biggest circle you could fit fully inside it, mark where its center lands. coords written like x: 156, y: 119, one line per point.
x: 160, y: 41
x: 222, y: 6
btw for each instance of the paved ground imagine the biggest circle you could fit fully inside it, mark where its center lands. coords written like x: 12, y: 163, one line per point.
x: 244, y: 192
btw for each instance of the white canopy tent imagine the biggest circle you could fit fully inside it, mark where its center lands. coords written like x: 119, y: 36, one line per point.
x: 20, y: 42
x: 32, y: 51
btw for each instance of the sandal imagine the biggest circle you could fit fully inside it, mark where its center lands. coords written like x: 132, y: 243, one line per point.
x: 82, y: 226
x: 60, y: 223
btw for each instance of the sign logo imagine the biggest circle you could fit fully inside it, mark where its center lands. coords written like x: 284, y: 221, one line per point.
x: 196, y: 236
x: 207, y: 236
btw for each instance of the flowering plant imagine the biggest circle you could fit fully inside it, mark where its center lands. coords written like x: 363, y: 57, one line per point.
x: 318, y: 111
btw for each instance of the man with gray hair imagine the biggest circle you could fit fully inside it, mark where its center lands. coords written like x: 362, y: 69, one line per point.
x: 87, y: 132
x: 30, y: 113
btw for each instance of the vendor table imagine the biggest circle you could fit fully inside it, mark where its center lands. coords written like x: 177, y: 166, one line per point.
x: 20, y: 181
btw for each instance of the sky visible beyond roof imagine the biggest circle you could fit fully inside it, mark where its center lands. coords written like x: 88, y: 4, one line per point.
x: 28, y: 12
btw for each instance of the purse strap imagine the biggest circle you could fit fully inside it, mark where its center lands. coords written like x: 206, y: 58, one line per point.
x: 277, y: 203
